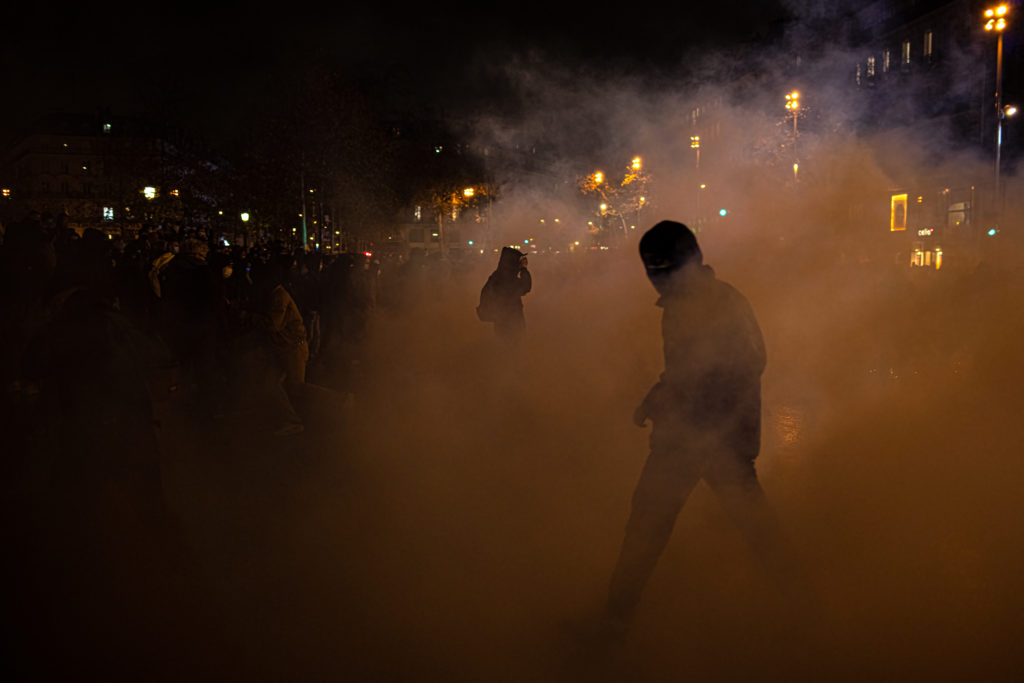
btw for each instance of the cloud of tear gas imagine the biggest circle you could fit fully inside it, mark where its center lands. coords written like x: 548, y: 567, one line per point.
x: 481, y: 492
x: 514, y: 471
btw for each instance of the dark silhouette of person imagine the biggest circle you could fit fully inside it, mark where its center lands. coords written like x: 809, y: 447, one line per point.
x: 706, y: 415
x: 106, y: 560
x: 192, y: 306
x: 501, y: 299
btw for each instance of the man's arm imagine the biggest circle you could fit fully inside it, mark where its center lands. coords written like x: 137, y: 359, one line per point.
x: 525, y: 281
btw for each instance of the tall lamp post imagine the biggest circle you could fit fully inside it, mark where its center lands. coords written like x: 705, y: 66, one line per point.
x: 995, y: 20
x: 793, y: 105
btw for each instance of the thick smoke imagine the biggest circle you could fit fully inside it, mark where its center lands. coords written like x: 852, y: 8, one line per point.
x: 459, y: 516
x: 501, y: 481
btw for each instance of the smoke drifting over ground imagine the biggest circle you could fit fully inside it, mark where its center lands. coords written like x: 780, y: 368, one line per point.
x: 460, y: 518
x: 498, y: 484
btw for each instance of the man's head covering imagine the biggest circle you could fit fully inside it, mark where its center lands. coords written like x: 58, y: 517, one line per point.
x: 510, y: 259
x: 666, y: 249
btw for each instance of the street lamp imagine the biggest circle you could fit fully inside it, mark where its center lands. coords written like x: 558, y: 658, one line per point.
x: 793, y: 105
x: 996, y: 21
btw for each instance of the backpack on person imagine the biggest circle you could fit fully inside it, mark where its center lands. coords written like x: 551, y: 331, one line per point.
x: 487, y: 311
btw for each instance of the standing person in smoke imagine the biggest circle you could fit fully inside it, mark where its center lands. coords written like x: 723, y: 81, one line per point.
x: 501, y: 299
x: 278, y: 319
x: 706, y: 412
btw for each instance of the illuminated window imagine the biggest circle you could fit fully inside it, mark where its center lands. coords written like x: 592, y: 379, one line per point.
x: 898, y: 213
x: 419, y: 213
x: 106, y: 127
x: 149, y: 192
x: 928, y: 44
x: 108, y: 213
x: 957, y: 215
x: 6, y: 192
x: 886, y: 60
x: 906, y: 52
x: 858, y: 74
x: 871, y: 66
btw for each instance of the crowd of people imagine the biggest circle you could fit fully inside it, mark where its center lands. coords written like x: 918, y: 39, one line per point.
x: 98, y: 337
x: 212, y: 305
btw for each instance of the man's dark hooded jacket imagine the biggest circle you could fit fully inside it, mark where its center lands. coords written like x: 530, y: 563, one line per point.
x: 714, y: 358
x: 502, y: 295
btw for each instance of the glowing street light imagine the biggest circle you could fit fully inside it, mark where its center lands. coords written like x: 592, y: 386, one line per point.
x: 996, y: 21
x: 244, y: 216
x: 598, y: 177
x: 996, y: 18
x: 636, y: 163
x: 468, y: 192
x: 793, y: 105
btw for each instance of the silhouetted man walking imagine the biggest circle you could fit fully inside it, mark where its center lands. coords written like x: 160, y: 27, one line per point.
x: 706, y: 411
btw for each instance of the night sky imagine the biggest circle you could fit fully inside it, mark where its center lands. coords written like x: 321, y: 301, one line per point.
x: 208, y: 67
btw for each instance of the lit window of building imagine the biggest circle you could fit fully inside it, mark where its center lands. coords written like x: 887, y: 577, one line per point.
x: 906, y: 52
x: 928, y: 38
x: 108, y: 213
x: 957, y: 214
x: 886, y: 60
x: 106, y: 127
x: 149, y: 192
x: 858, y: 74
x: 6, y: 192
x: 898, y: 212
x: 871, y: 66
x: 419, y: 213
